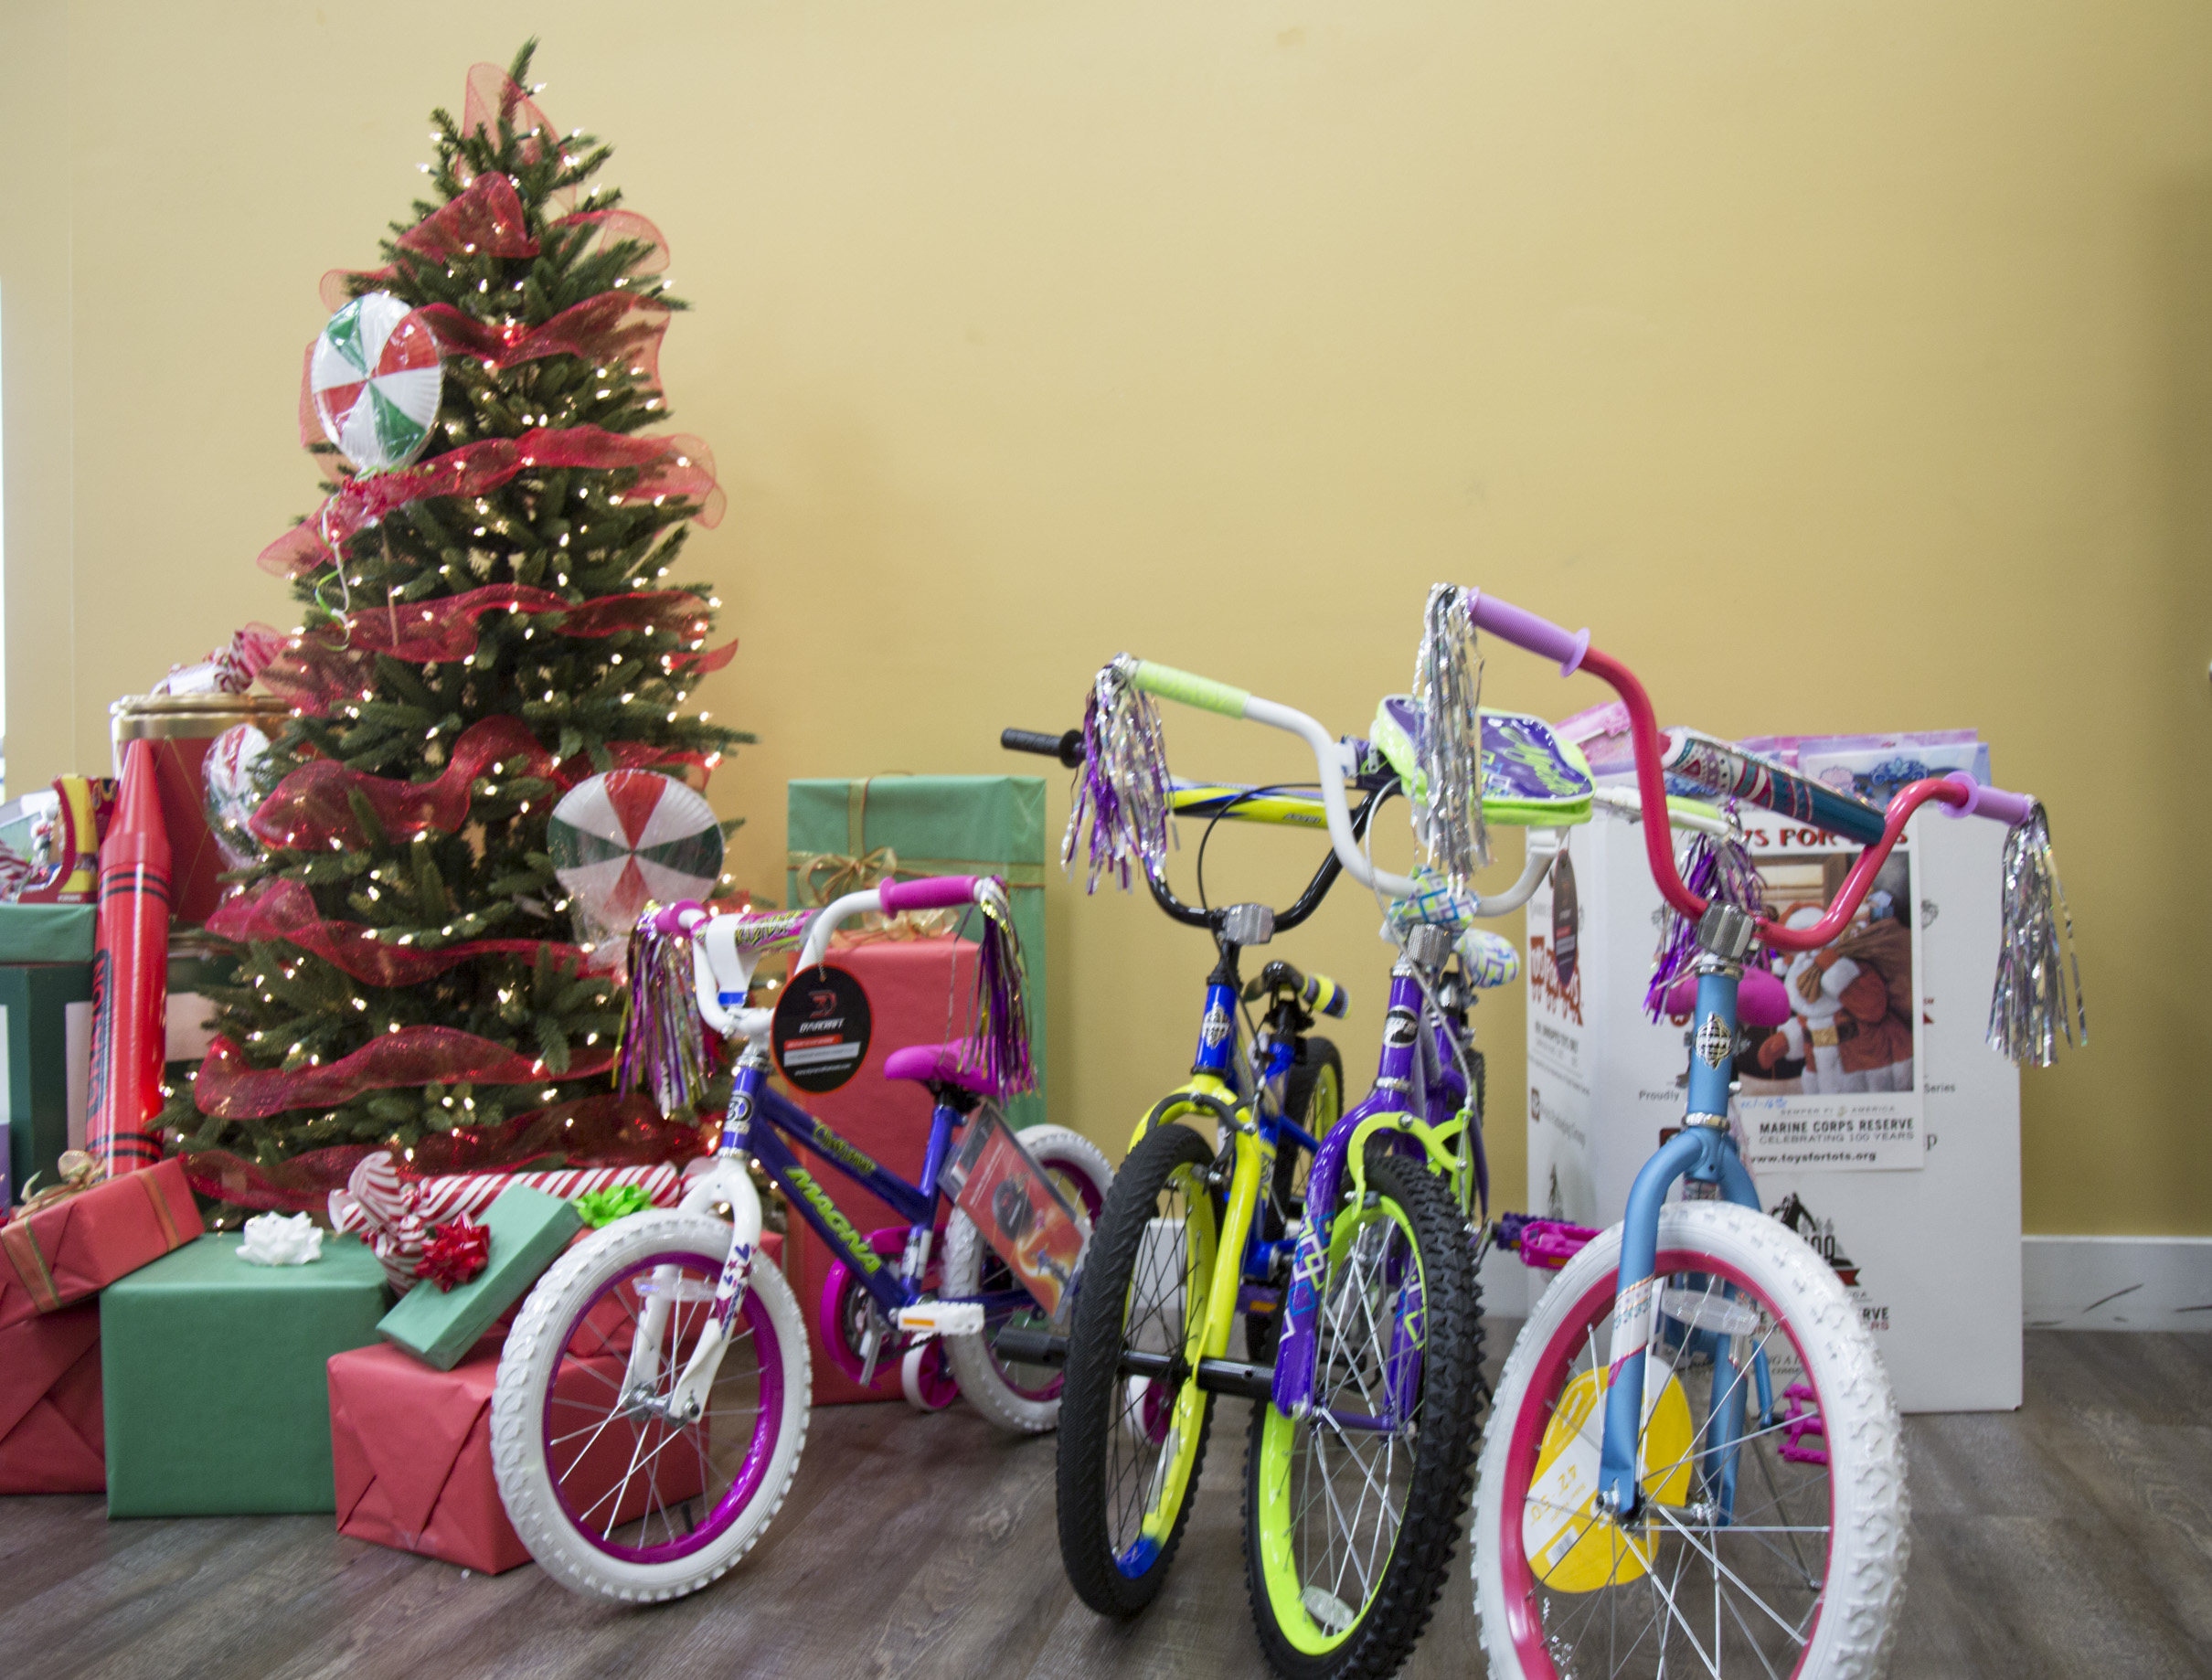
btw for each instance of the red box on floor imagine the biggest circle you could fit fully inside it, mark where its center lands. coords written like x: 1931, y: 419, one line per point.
x: 412, y: 1448
x: 78, y: 1246
x: 52, y: 1439
x: 919, y: 991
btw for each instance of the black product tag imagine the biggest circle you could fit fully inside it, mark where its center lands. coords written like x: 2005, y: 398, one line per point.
x: 821, y: 1030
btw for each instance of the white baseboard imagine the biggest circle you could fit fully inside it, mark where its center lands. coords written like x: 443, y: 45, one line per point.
x: 2116, y: 1282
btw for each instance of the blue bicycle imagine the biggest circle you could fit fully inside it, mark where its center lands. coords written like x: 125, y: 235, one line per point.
x: 1693, y: 1464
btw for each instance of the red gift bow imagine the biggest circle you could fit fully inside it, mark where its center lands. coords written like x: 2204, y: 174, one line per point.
x: 456, y: 1252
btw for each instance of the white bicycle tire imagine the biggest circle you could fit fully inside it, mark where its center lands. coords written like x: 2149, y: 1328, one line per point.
x: 980, y: 1381
x: 1869, y: 1538
x: 532, y: 1356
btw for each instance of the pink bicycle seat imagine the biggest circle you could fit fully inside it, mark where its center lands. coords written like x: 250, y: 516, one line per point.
x: 1760, y: 998
x: 959, y: 1062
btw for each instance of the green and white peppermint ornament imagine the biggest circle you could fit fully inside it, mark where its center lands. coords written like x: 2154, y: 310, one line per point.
x: 376, y: 376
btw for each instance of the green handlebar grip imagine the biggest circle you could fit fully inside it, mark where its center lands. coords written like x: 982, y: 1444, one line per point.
x: 1199, y: 691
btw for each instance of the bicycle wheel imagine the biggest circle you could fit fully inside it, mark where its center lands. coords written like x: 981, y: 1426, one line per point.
x: 1352, y: 1511
x: 1312, y: 1095
x: 1131, y: 1446
x: 612, y: 1496
x: 1022, y: 1397
x: 1784, y: 1555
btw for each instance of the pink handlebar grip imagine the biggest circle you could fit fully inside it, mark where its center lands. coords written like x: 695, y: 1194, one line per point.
x: 683, y: 917
x: 1522, y: 629
x: 1993, y: 802
x: 932, y: 892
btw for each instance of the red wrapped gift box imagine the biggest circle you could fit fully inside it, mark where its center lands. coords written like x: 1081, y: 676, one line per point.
x: 52, y: 1436
x: 78, y: 1247
x: 412, y: 1448
x: 919, y: 991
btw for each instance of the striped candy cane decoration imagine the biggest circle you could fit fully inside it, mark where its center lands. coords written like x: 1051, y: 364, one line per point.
x: 394, y: 1213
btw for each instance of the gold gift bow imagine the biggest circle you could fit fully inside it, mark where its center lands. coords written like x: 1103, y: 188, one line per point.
x: 80, y: 1170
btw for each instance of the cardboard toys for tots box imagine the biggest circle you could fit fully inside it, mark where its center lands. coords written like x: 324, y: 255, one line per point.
x: 1893, y: 1144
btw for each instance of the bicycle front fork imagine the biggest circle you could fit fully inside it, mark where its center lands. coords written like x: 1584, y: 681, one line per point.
x: 1705, y: 1152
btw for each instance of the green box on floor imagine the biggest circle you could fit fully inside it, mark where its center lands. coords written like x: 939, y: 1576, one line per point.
x: 214, y: 1381
x: 45, y: 1037
x: 529, y: 1229
x: 935, y: 825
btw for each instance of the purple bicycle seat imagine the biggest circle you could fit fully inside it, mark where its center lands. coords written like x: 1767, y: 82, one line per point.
x: 959, y: 1062
x: 1760, y: 998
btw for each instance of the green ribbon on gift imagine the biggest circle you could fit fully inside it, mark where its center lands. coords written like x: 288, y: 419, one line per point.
x: 600, y: 1207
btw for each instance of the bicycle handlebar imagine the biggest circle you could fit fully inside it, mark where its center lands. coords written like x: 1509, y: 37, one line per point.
x: 1958, y: 791
x: 1336, y: 764
x: 1067, y: 746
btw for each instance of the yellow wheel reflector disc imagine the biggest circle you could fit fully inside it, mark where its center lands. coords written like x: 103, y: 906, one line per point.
x: 1570, y: 1546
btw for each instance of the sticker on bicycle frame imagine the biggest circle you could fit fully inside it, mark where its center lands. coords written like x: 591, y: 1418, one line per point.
x: 1215, y: 1029
x: 1714, y: 1041
x: 1632, y: 1321
x: 1023, y: 1215
x: 820, y: 1033
x: 1400, y: 1028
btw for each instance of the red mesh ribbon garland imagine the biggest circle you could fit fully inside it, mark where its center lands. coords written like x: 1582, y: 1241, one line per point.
x: 285, y: 911
x: 456, y: 1251
x: 668, y: 467
x: 488, y: 216
x: 312, y: 809
x: 229, y: 1089
x: 428, y: 631
x: 603, y: 1130
x: 613, y: 328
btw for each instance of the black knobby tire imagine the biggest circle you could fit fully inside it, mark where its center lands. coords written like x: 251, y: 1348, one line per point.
x: 1435, y: 1500
x: 1095, y: 1435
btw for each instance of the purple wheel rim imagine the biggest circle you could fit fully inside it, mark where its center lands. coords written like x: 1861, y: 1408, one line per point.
x: 758, y: 1331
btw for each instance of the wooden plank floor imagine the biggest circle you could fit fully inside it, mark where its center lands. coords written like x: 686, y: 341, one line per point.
x: 2073, y: 1537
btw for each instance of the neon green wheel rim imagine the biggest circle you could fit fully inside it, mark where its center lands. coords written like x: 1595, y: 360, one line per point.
x: 1279, y: 1441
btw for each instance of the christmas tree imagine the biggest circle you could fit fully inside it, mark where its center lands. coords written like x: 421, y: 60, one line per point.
x: 484, y: 624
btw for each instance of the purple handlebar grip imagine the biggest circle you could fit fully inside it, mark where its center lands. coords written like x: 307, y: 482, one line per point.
x: 932, y: 892
x: 1523, y: 629
x: 1993, y: 802
x: 681, y: 916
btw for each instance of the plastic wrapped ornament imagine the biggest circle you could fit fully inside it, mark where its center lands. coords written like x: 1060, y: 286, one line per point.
x: 228, y: 776
x: 626, y: 837
x: 376, y: 376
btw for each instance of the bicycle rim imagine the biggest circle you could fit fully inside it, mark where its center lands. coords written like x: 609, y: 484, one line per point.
x: 1724, y: 1570
x: 1334, y: 1484
x: 1158, y: 1421
x: 634, y: 1484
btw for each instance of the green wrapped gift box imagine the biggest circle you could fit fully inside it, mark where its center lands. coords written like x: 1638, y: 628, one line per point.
x: 214, y: 1381
x: 47, y: 932
x: 529, y: 1229
x: 920, y: 825
x: 45, y: 1035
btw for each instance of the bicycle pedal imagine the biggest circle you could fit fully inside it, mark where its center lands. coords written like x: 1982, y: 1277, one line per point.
x: 942, y: 1318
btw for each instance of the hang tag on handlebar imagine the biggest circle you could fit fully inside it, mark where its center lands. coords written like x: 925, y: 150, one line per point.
x: 820, y: 1033
x: 1023, y: 1215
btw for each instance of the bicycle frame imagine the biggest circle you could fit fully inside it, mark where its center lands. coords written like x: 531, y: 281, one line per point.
x: 893, y: 1287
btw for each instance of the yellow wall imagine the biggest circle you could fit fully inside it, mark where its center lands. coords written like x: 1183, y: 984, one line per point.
x: 1025, y: 334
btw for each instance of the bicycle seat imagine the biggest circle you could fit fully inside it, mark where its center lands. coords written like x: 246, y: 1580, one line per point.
x: 958, y: 1062
x: 1760, y: 1000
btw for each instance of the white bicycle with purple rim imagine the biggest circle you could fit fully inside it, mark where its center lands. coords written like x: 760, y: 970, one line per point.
x: 653, y: 1393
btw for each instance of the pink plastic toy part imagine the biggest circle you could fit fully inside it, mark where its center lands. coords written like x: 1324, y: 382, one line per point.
x: 1545, y: 1244
x: 1525, y: 629
x: 932, y: 892
x: 1993, y: 802
x: 1760, y: 1000
x: 682, y: 917
x: 1804, y: 1419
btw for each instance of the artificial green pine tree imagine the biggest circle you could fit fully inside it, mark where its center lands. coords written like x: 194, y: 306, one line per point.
x: 572, y: 532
